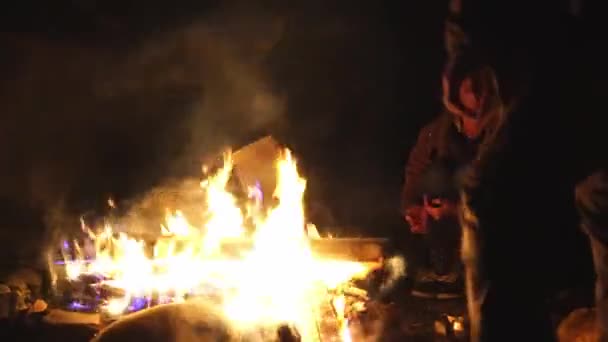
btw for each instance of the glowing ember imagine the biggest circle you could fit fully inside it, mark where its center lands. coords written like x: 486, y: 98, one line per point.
x: 276, y: 279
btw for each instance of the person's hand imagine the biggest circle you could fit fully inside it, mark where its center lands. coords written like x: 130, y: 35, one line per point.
x: 439, y: 208
x: 416, y: 216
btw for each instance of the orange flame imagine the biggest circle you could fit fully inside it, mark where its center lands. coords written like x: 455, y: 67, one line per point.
x: 278, y: 280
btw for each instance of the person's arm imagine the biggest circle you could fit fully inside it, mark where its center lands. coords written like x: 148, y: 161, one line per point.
x: 418, y: 161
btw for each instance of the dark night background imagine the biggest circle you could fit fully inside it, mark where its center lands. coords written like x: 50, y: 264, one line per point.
x: 114, y: 97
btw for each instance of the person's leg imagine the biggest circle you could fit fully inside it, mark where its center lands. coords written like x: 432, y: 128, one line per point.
x: 443, y: 228
x: 445, y: 275
x: 415, y: 251
x: 419, y: 268
x: 444, y: 237
x: 592, y: 202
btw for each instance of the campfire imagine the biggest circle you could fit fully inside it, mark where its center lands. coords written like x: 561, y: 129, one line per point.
x: 259, y: 265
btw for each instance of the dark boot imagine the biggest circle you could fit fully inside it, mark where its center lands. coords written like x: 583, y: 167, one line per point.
x: 444, y: 278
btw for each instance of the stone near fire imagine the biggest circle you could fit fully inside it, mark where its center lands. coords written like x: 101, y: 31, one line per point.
x: 26, y: 275
x: 38, y: 306
x: 26, y: 280
x: 19, y: 299
x: 579, y: 326
x: 194, y: 320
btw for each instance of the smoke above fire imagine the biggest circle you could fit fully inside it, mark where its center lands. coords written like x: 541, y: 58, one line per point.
x: 82, y: 122
x: 218, y: 64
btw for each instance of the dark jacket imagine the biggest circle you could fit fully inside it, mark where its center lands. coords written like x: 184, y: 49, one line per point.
x: 433, y: 161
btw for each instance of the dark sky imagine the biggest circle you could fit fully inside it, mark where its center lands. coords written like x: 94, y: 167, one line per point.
x: 114, y: 97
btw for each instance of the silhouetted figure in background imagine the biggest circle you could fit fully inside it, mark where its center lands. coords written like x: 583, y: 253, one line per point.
x: 520, y: 239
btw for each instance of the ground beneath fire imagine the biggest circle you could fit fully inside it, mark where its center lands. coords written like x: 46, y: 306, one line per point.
x: 404, y: 317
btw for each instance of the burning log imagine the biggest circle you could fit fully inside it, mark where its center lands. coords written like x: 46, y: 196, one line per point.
x: 355, y: 316
x: 354, y: 249
x: 88, y: 293
x: 368, y: 251
x: 63, y: 317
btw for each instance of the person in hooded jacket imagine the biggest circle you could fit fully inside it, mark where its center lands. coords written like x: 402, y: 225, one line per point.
x: 473, y: 112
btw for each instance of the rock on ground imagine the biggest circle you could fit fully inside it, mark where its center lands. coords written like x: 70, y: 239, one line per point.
x: 578, y: 326
x: 191, y: 321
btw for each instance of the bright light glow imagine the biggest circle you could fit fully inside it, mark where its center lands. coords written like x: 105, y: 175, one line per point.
x: 275, y: 279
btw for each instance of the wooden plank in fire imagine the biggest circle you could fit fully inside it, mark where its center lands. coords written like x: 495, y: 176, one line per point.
x: 352, y: 249
x: 255, y: 164
x: 348, y: 249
